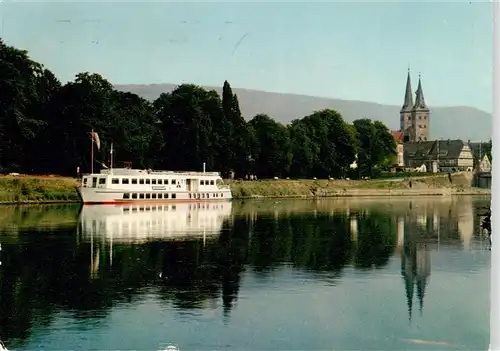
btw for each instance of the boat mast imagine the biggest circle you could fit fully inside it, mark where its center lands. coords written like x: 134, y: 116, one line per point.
x: 111, y: 158
x: 92, y: 152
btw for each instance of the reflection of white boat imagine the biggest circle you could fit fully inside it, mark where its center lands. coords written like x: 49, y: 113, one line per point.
x: 3, y: 347
x: 143, y: 222
x: 171, y: 348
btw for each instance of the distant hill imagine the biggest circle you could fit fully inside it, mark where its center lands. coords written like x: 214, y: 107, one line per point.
x: 456, y: 122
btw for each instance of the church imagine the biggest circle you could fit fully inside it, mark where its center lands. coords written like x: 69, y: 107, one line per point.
x: 414, y: 117
x: 415, y: 151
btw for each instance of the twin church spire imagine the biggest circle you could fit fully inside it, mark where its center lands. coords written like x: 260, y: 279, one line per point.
x: 414, y: 116
x: 408, y: 104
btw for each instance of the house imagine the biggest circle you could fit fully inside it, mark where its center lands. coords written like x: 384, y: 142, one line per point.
x: 439, y: 155
x: 482, y: 162
x: 398, y: 138
x: 417, y: 153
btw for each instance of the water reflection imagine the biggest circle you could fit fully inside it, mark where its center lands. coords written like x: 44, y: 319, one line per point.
x: 196, y: 259
x: 138, y: 224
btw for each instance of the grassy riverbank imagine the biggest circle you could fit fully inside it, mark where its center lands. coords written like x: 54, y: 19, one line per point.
x: 38, y: 189
x: 414, y: 186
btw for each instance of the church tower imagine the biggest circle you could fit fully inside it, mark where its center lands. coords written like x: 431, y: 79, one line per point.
x: 405, y: 115
x: 420, y: 116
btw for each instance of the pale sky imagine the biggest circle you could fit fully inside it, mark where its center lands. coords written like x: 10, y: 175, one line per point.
x: 347, y: 50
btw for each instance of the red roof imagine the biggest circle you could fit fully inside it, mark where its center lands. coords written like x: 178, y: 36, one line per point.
x: 398, y: 136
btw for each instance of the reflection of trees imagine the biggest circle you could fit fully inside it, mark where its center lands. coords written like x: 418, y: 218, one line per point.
x: 376, y: 239
x: 47, y: 272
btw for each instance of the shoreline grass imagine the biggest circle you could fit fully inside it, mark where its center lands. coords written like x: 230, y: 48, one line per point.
x: 38, y: 189
x: 28, y: 189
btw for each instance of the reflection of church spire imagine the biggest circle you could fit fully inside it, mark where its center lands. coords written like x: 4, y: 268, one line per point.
x: 408, y: 273
x: 415, y: 268
x: 421, y: 284
x: 423, y: 260
x: 409, y: 285
x: 415, y: 265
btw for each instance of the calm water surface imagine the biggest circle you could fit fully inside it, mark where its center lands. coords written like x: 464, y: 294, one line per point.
x: 258, y: 275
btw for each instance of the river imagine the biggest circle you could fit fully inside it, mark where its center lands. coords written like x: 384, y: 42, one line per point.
x: 343, y: 274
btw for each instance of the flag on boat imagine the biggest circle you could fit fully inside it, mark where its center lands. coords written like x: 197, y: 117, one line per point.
x: 96, y: 140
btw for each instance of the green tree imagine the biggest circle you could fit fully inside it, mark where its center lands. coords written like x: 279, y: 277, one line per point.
x: 23, y: 84
x: 329, y: 145
x: 187, y: 127
x: 238, y: 138
x: 273, y: 156
x: 44, y: 127
x: 376, y: 240
x: 377, y: 147
x: 304, y: 150
x: 79, y: 107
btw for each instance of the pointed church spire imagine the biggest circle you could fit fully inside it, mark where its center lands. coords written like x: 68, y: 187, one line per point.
x: 408, y: 102
x: 419, y: 98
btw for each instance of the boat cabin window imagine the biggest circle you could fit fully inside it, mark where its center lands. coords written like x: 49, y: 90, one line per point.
x: 134, y: 196
x: 141, y: 181
x: 94, y: 182
x: 202, y: 182
x: 134, y: 181
x: 115, y: 181
x: 126, y: 196
x: 148, y: 181
x: 124, y: 180
x: 102, y: 180
x: 153, y: 196
x: 173, y: 181
x: 165, y: 181
x: 160, y: 181
x: 174, y: 196
x: 148, y: 196
x: 212, y: 182
x: 141, y: 196
x: 85, y: 181
x: 153, y: 181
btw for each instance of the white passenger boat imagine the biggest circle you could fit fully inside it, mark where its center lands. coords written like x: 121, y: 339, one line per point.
x: 3, y: 347
x: 127, y: 185
x: 124, y: 185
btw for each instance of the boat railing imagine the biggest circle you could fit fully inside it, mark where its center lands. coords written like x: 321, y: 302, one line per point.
x: 223, y: 186
x: 123, y: 172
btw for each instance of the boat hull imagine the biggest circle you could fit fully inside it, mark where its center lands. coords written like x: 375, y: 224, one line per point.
x: 103, y: 196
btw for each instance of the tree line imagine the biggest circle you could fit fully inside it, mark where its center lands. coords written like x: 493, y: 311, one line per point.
x: 45, y: 128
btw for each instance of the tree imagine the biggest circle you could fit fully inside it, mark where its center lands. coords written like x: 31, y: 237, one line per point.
x: 329, y: 145
x: 45, y: 127
x: 303, y: 150
x: 187, y: 127
x: 273, y: 157
x: 21, y: 105
x: 79, y: 107
x: 134, y: 130
x: 376, y: 146
x: 236, y: 132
